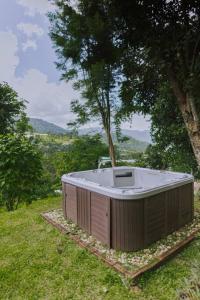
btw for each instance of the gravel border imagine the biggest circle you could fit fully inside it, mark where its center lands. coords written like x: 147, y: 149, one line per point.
x: 130, y: 264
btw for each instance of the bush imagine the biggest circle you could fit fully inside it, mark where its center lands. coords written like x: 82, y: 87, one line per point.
x: 12, y: 112
x: 156, y: 157
x: 82, y: 154
x: 20, y: 170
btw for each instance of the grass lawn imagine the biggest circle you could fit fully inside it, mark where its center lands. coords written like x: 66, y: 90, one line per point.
x: 38, y: 262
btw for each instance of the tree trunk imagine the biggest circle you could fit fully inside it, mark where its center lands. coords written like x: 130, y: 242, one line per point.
x: 191, y: 121
x: 188, y: 110
x: 111, y: 148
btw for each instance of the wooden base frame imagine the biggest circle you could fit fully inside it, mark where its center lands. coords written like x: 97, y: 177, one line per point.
x: 132, y: 275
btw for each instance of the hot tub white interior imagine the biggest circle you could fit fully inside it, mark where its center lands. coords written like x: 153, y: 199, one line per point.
x: 127, y: 182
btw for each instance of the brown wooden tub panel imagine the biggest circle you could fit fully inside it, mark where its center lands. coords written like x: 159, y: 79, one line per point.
x: 83, y: 209
x: 127, y: 229
x: 71, y: 202
x: 100, y: 217
x: 129, y: 225
x: 186, y: 204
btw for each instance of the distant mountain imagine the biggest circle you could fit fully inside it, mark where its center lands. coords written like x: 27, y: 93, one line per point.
x: 128, y: 145
x: 140, y: 135
x: 41, y: 126
x: 90, y: 131
x: 138, y: 140
x: 132, y: 144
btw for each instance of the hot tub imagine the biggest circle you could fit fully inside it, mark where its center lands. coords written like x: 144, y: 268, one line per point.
x: 128, y: 208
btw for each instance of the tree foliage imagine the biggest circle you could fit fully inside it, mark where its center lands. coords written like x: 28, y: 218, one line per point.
x: 20, y: 169
x: 162, y: 45
x: 142, y: 46
x: 171, y: 147
x: 20, y: 158
x: 149, y: 46
x: 87, y: 52
x: 170, y: 135
x: 12, y: 115
x: 81, y: 155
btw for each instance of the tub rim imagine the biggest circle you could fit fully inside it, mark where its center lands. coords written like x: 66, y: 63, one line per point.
x: 126, y: 194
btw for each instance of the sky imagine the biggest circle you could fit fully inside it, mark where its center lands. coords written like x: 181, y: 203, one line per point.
x: 27, y: 63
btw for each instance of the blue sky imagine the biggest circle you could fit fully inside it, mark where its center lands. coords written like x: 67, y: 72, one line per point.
x: 27, y: 62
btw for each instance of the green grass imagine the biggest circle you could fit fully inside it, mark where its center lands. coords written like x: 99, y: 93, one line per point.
x: 38, y: 262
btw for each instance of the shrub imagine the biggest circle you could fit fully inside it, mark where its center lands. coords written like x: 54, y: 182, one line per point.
x: 82, y: 154
x: 12, y: 111
x: 20, y: 170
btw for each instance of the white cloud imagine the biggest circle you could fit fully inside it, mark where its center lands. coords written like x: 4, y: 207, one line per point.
x: 138, y: 122
x: 49, y: 101
x: 8, y: 55
x: 35, y: 6
x: 29, y: 44
x: 30, y: 29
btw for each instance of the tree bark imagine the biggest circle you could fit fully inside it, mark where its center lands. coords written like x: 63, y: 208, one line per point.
x: 188, y: 111
x: 105, y: 116
x: 190, y: 116
x: 111, y: 148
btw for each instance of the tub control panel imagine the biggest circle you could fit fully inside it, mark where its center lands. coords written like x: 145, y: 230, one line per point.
x: 126, y: 174
x: 123, y: 177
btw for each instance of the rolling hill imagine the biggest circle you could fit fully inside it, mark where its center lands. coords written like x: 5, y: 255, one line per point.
x: 138, y: 140
x: 129, y: 145
x: 140, y: 135
x: 41, y: 126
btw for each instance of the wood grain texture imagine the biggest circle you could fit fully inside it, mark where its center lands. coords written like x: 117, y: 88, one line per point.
x: 71, y: 202
x: 100, y: 217
x: 83, y: 209
x: 129, y: 225
x: 154, y: 218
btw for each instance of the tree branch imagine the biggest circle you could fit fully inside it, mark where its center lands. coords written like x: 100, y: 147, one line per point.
x: 194, y: 52
x: 180, y: 95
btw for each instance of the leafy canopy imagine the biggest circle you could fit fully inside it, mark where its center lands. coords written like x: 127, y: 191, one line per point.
x: 20, y: 159
x: 82, y: 154
x: 12, y: 115
x: 20, y: 170
x: 89, y: 53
